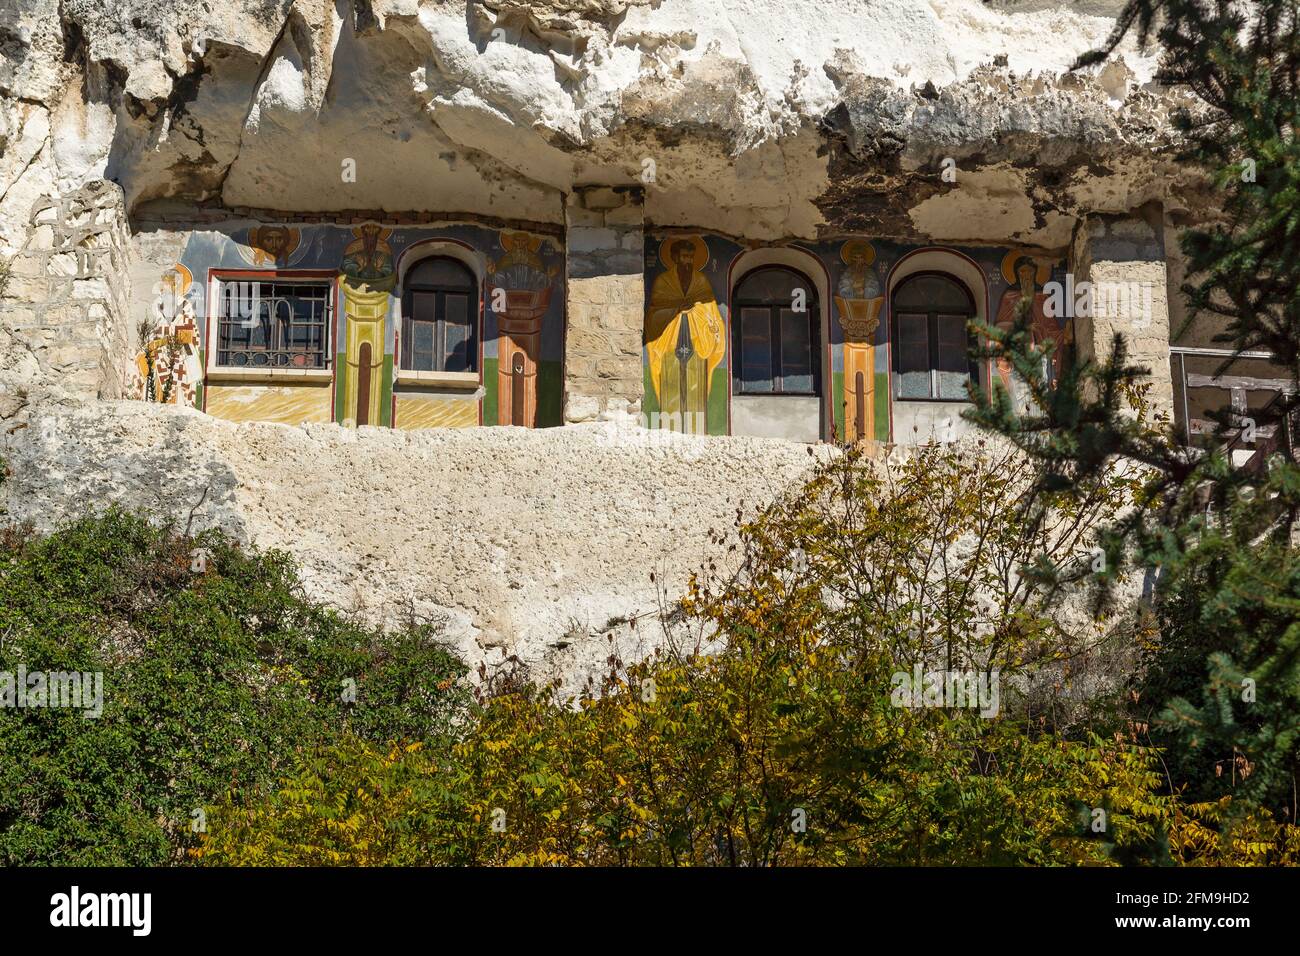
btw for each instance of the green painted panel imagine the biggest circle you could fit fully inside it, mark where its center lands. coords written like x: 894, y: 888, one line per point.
x: 339, y: 366
x: 650, y: 402
x: 386, y: 394
x: 550, y: 394
x: 837, y: 403
x: 719, y: 397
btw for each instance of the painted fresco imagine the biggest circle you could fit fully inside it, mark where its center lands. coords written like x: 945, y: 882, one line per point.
x: 859, y: 299
x: 1026, y: 277
x: 367, y: 278
x: 288, y: 405
x: 521, y: 287
x: 167, y: 368
x: 687, y: 382
x: 522, y: 319
x: 688, y: 282
x: 421, y: 411
x: 272, y: 247
x: 687, y: 336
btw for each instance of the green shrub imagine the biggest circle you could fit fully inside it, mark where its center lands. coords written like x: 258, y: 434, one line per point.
x: 212, y: 681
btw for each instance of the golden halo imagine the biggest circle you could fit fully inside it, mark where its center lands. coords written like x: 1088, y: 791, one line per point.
x: 511, y: 239
x: 701, y: 252
x: 1008, y: 267
x: 178, y: 279
x: 257, y: 241
x: 382, y: 232
x: 853, y: 245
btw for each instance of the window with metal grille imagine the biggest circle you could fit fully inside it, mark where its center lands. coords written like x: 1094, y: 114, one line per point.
x: 776, y: 334
x: 932, y: 341
x: 440, y: 317
x: 268, y: 324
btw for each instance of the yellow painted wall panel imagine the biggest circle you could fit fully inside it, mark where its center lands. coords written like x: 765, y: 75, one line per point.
x: 287, y: 404
x: 413, y: 412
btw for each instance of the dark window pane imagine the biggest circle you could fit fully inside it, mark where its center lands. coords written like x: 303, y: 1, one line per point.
x: 424, y: 306
x: 273, y: 324
x: 933, y: 348
x: 440, y: 271
x: 446, y: 307
x: 457, y: 334
x: 756, y: 350
x: 954, y: 361
x: 913, y: 343
x: 913, y: 356
x: 784, y: 297
x: 954, y: 343
x: 931, y: 293
x: 796, y: 352
x: 774, y: 287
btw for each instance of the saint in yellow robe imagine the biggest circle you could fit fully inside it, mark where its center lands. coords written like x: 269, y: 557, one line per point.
x: 678, y: 317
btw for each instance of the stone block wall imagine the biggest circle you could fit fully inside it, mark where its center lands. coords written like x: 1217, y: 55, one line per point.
x: 1123, y: 260
x: 65, y: 305
x: 605, y: 300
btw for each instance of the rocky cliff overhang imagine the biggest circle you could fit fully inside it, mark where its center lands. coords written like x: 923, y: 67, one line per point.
x: 766, y: 119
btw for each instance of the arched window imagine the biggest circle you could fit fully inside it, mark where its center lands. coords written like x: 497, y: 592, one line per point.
x: 776, y: 334
x: 440, y: 317
x: 932, y: 339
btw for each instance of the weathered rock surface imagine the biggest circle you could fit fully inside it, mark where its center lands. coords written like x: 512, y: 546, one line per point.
x: 769, y: 118
x: 537, y: 543
x: 763, y: 119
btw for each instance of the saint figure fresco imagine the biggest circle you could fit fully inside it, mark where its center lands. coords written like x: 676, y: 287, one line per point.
x: 684, y: 333
x: 167, y: 367
x: 1026, y: 277
x: 272, y: 245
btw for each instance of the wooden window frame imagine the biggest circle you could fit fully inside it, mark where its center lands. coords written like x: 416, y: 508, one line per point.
x: 474, y: 308
x: 932, y: 343
x: 813, y: 309
x: 218, y: 279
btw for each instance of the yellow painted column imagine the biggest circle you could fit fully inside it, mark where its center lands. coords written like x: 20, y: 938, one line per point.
x: 860, y: 318
x: 364, y: 313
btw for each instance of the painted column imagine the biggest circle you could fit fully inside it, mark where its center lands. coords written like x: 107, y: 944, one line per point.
x: 859, y: 302
x: 364, y: 313
x: 367, y: 279
x: 520, y: 290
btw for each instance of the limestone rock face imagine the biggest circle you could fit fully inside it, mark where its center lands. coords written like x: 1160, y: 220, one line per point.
x: 768, y: 118
x: 544, y: 544
x: 123, y: 123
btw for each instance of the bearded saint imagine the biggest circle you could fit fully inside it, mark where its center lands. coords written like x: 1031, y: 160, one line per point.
x: 685, y: 341
x: 1042, y: 327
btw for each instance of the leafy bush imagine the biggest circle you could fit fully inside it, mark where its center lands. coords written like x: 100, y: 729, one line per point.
x: 212, y: 680
x: 782, y: 747
x: 738, y: 760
